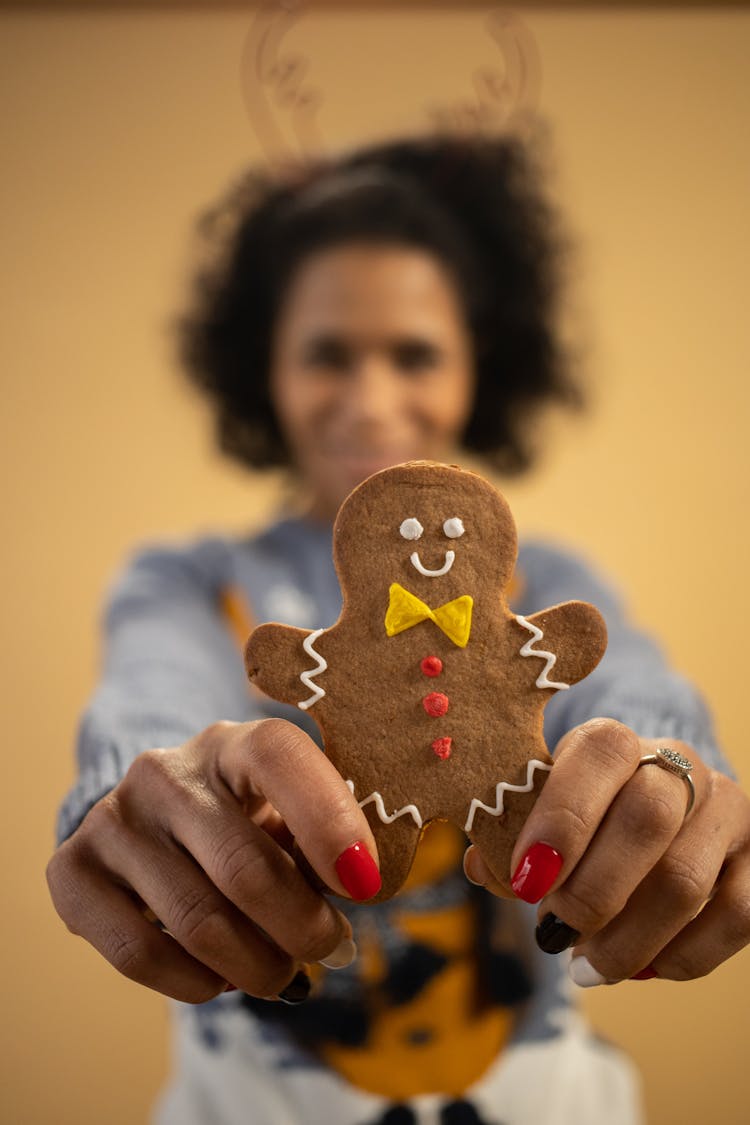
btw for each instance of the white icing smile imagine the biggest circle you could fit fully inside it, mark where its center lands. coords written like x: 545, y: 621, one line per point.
x: 416, y: 562
x: 411, y: 528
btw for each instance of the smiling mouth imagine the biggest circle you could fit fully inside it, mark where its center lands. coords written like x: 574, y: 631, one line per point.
x: 416, y: 562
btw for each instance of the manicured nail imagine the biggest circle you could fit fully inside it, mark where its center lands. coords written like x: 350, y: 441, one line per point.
x: 358, y: 872
x: 231, y: 988
x: 297, y: 990
x: 536, y: 872
x: 583, y: 973
x: 645, y: 974
x: 342, y: 956
x: 553, y: 935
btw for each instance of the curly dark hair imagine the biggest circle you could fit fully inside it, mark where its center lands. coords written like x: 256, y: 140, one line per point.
x: 476, y: 204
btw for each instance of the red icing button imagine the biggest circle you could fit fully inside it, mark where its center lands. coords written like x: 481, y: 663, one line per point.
x: 435, y: 703
x: 442, y: 747
x: 431, y: 665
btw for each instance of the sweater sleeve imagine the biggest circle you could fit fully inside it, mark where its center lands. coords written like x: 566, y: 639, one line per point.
x: 633, y: 683
x: 170, y: 668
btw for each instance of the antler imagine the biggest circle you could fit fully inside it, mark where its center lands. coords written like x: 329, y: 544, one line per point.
x: 275, y: 83
x: 269, y: 77
x: 505, y: 98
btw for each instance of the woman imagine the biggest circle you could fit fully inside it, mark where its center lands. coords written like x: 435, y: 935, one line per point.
x: 397, y: 303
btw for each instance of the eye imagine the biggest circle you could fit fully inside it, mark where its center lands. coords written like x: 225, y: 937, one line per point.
x: 411, y: 529
x: 453, y: 528
x: 327, y: 353
x: 415, y: 355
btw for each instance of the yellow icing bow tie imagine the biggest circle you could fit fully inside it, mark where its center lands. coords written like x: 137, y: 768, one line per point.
x: 405, y: 610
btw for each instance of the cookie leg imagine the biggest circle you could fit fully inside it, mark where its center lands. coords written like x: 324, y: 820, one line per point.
x: 495, y: 836
x: 397, y: 845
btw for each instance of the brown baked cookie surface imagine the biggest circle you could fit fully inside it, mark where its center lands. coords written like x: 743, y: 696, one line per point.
x: 429, y: 692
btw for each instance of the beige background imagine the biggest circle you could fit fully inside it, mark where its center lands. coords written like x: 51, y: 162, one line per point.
x: 117, y: 126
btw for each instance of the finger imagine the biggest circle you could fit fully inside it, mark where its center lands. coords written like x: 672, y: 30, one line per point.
x: 236, y: 863
x: 665, y: 902
x: 259, y: 878
x: 637, y: 831
x: 477, y: 872
x: 279, y: 760
x: 105, y: 915
x: 198, y: 916
x: 592, y: 763
x: 720, y: 930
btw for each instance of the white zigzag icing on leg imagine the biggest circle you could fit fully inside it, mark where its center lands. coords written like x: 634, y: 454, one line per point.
x: 502, y: 786
x: 528, y: 650
x: 307, y: 676
x: 412, y: 810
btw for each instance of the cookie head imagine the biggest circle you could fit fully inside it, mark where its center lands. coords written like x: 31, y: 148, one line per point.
x: 435, y: 529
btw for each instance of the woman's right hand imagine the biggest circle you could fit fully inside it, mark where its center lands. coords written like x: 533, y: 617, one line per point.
x: 200, y: 838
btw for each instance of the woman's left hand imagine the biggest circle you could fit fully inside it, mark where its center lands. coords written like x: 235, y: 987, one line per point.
x: 636, y: 886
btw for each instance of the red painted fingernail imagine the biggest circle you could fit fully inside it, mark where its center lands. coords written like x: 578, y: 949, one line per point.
x: 646, y: 974
x: 358, y: 872
x: 231, y: 988
x: 536, y: 872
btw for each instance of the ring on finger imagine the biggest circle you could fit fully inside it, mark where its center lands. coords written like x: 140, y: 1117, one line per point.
x: 674, y: 763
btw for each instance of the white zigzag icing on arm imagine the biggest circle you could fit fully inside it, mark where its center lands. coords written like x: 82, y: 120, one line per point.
x: 307, y: 676
x: 502, y: 786
x: 412, y: 810
x: 543, y: 679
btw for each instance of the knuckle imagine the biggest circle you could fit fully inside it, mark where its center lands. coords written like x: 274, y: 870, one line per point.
x: 570, y: 824
x: 128, y: 953
x: 216, y: 731
x: 271, y: 737
x: 585, y: 907
x: 649, y: 813
x: 60, y: 882
x: 685, y: 883
x: 254, y: 884
x: 102, y: 820
x: 55, y: 870
x: 150, y: 765
x: 149, y: 777
x: 247, y: 872
x: 198, y: 920
x: 612, y: 743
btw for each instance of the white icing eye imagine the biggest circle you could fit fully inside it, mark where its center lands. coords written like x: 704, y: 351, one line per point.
x: 453, y: 528
x: 411, y: 529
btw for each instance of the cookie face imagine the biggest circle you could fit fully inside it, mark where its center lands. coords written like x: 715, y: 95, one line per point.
x: 428, y: 690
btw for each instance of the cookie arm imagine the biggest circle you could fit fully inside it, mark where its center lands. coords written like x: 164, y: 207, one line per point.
x: 282, y: 662
x: 564, y: 643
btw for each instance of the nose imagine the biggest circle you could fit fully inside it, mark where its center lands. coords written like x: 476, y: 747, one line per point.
x: 370, y: 397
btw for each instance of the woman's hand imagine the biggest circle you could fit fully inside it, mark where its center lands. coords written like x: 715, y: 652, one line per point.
x: 637, y: 887
x: 198, y: 837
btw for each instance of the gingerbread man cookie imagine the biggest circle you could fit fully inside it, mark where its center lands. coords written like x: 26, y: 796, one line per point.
x: 428, y: 690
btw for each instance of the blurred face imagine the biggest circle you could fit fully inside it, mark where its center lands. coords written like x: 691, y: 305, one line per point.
x: 371, y: 365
